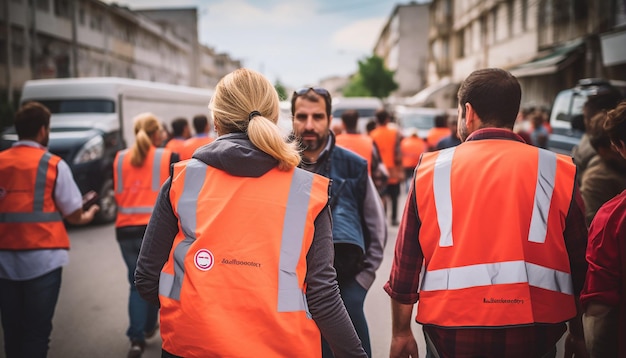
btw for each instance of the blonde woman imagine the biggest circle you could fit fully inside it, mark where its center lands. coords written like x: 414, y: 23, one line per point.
x: 238, y: 252
x: 138, y: 174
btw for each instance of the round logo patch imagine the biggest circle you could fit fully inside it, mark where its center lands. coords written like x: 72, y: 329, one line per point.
x: 204, y: 259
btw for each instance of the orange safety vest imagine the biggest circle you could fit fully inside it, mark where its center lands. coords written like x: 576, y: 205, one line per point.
x: 175, y: 145
x: 412, y: 148
x: 436, y: 134
x: 29, y: 218
x: 191, y: 145
x: 233, y: 285
x: 386, y: 141
x: 137, y: 188
x: 492, y: 218
x: 358, y: 143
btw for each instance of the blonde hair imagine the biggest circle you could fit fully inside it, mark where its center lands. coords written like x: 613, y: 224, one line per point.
x: 242, y: 92
x: 146, y: 124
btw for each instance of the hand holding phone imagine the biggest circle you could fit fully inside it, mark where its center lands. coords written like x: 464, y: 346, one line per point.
x: 90, y: 198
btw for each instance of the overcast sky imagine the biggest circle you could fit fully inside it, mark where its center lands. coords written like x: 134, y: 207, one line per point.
x: 298, y: 42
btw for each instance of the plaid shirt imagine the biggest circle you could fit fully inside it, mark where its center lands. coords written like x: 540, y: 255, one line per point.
x: 528, y: 341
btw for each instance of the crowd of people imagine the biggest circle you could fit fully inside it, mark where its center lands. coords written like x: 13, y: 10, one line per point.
x: 286, y: 234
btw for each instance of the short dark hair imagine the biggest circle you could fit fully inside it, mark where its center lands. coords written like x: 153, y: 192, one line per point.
x: 370, y: 126
x: 615, y: 124
x: 441, y: 121
x: 200, y: 123
x: 312, y: 94
x: 598, y: 137
x: 495, y: 95
x: 605, y: 99
x: 350, y: 119
x: 178, y: 126
x: 30, y: 118
x: 382, y: 116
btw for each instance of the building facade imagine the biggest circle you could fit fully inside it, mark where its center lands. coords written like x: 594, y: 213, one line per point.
x: 88, y: 38
x: 403, y: 45
x: 547, y: 44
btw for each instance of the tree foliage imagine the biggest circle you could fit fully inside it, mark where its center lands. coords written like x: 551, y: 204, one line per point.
x: 373, y: 79
x: 280, y: 88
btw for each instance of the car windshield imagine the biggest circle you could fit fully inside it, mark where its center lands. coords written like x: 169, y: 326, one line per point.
x: 417, y: 120
x: 79, y: 105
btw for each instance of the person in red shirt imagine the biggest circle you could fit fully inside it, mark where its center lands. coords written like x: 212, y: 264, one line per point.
x: 501, y: 277
x: 603, y: 296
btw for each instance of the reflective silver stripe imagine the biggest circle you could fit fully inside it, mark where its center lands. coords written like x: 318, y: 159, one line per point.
x: 156, y: 169
x: 546, y: 173
x: 38, y: 217
x: 291, y: 298
x: 120, y: 175
x: 40, y: 182
x: 290, y: 295
x: 443, y: 200
x: 135, y: 209
x: 509, y: 272
x: 170, y: 286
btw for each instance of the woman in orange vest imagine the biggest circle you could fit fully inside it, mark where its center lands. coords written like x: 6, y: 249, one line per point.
x: 138, y: 173
x: 239, y: 252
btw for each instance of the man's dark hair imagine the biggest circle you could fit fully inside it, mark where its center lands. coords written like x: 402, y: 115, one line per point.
x: 494, y: 94
x: 370, y: 126
x: 382, y: 116
x: 200, y: 123
x: 312, y: 94
x: 598, y: 136
x: 30, y: 118
x: 178, y: 126
x: 615, y: 124
x: 605, y: 99
x: 441, y: 121
x: 350, y: 119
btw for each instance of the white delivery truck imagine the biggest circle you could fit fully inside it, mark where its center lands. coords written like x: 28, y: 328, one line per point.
x: 92, y: 119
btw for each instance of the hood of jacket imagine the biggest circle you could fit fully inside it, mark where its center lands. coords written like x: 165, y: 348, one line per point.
x: 235, y: 154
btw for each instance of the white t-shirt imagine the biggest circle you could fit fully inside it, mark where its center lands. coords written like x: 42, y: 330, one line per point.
x: 29, y: 264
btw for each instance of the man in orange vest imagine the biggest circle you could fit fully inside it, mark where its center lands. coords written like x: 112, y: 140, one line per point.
x: 498, y: 226
x: 412, y: 148
x: 180, y: 133
x: 438, y: 132
x: 201, y: 125
x: 387, y: 140
x: 364, y: 146
x: 37, y: 191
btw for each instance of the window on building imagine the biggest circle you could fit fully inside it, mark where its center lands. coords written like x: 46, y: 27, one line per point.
x: 510, y: 7
x: 17, y: 47
x: 460, y: 43
x: 494, y: 25
x: 43, y: 5
x: 3, y: 50
x: 62, y: 8
x: 620, y: 12
x: 524, y: 17
x: 81, y: 15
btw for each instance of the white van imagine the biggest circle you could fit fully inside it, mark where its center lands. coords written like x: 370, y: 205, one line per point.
x: 92, y: 119
x: 366, y: 106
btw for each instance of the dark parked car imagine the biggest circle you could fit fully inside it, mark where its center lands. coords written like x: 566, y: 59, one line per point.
x: 566, y: 118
